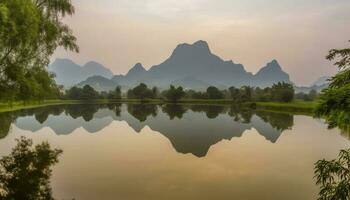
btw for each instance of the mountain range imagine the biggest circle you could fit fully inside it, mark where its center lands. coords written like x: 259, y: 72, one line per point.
x: 192, y: 66
x: 69, y: 73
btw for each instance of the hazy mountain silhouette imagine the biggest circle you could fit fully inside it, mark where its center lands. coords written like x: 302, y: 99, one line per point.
x: 270, y: 74
x: 324, y: 80
x: 69, y: 73
x: 99, y: 83
x: 320, y: 84
x: 194, y: 66
x: 190, y: 129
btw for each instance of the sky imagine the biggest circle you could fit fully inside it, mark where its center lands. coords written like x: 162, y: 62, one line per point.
x: 297, y: 33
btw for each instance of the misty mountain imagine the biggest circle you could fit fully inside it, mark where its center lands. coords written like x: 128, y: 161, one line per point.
x: 324, y: 80
x: 69, y: 73
x: 318, y: 85
x: 270, y: 74
x: 99, y: 83
x: 194, y: 66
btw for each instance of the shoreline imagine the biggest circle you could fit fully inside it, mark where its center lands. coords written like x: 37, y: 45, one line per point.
x: 297, y: 107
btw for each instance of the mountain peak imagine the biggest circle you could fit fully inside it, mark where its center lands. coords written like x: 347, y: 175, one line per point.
x: 62, y: 61
x: 136, y: 70
x: 274, y: 64
x: 201, y: 44
x: 198, y: 48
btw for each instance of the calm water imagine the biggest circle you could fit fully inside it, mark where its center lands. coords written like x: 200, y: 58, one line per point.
x: 177, y: 152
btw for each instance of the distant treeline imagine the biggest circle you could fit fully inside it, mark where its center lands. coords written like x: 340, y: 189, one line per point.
x: 279, y: 92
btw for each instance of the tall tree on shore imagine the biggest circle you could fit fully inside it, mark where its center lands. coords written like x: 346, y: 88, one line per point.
x: 334, y: 102
x: 30, y: 32
x: 174, y: 93
x: 334, y: 105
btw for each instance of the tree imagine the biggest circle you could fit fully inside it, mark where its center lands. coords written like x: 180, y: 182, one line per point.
x: 30, y: 31
x: 116, y: 94
x: 214, y: 93
x: 155, y: 92
x: 140, y: 92
x: 85, y: 93
x: 333, y: 177
x: 74, y: 93
x: 26, y: 172
x: 235, y: 94
x: 89, y: 93
x: 246, y: 94
x: 334, y: 101
x: 312, y: 95
x: 282, y: 92
x: 174, y: 94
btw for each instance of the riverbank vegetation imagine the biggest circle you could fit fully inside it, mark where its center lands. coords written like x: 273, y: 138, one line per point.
x: 279, y: 92
x: 26, y: 172
x: 334, y: 105
x: 30, y: 32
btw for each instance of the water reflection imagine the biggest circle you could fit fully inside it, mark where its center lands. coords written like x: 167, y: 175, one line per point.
x: 190, y: 128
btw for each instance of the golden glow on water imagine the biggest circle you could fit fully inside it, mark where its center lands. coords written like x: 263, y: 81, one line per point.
x: 119, y: 163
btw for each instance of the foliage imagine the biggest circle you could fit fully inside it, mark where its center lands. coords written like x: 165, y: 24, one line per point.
x: 334, y: 102
x: 214, y: 93
x: 85, y: 93
x: 334, y: 177
x: 282, y: 92
x: 235, y: 94
x: 30, y: 31
x: 140, y: 92
x: 25, y: 173
x: 116, y: 94
x: 174, y: 94
x: 311, y: 96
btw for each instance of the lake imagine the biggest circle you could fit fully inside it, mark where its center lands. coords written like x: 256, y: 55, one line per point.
x: 145, y: 151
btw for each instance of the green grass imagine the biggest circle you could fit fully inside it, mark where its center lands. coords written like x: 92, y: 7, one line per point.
x: 294, y: 107
x: 302, y: 107
x: 19, y: 105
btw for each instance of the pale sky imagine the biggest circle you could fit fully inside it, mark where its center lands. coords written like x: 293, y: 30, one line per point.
x: 298, y: 33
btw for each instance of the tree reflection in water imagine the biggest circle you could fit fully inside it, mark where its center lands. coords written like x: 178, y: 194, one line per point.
x: 190, y: 128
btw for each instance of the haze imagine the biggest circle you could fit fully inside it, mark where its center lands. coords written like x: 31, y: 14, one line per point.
x: 298, y: 33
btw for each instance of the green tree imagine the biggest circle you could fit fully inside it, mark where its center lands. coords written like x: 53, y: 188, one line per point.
x: 333, y: 177
x: 246, y: 94
x: 30, y: 31
x: 26, y: 172
x: 116, y: 94
x: 313, y: 95
x: 334, y: 102
x: 174, y: 93
x: 235, y: 94
x: 214, y: 93
x: 282, y: 92
x: 74, y: 93
x: 140, y: 92
x: 89, y: 93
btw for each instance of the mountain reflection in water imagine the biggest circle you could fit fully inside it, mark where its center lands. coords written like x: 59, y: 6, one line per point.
x: 190, y: 128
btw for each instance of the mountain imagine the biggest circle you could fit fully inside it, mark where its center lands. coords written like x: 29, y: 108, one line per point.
x: 324, y: 80
x: 270, y: 74
x: 194, y: 66
x: 69, y: 73
x: 318, y: 85
x: 99, y: 83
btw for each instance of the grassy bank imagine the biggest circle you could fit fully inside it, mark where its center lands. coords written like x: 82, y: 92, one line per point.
x: 301, y: 107
x: 295, y: 107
